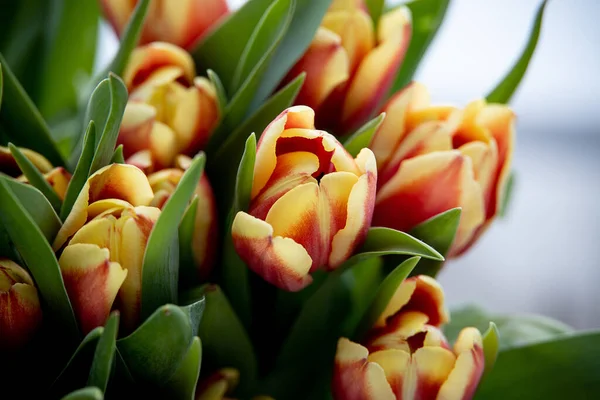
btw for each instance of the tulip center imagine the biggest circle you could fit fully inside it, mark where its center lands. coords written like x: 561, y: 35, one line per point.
x: 315, y: 146
x: 416, y: 341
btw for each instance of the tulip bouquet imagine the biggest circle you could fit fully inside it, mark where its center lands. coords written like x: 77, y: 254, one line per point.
x: 253, y: 204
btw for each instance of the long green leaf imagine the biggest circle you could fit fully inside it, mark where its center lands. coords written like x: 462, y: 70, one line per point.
x: 508, y: 194
x: 559, y: 369
x: 1, y: 86
x: 22, y: 121
x: 385, y: 241
x: 188, y: 272
x: 195, y: 309
x: 307, y: 18
x: 504, y: 91
x: 160, y: 272
x: 375, y: 8
x: 87, y: 393
x: 491, y: 344
x: 82, y: 170
x: 35, y: 177
x: 182, y: 384
x: 105, y: 354
x: 384, y: 294
x: 220, y: 89
x: 39, y: 257
x: 362, y: 137
x: 427, y: 16
x: 155, y: 350
x: 117, y: 157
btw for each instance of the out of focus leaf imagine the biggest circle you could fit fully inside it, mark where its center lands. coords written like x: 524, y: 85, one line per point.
x: 384, y: 294
x: 82, y: 170
x: 226, y: 343
x: 491, y: 344
x: 438, y: 232
x: 308, y: 15
x: 117, y: 157
x: 160, y: 272
x: 21, y: 121
x: 87, y: 393
x: 30, y: 242
x: 195, y: 310
x: 234, y: 272
x: 104, y: 354
x: 566, y: 367
x: 182, y: 384
x: 1, y: 86
x: 362, y: 137
x: 188, y: 273
x: 385, y: 241
x: 508, y: 194
x: 427, y: 16
x: 221, y: 93
x: 35, y: 177
x: 504, y: 91
x: 375, y: 10
x: 155, y: 350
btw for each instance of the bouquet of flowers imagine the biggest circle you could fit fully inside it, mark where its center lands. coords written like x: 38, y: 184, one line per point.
x: 253, y: 204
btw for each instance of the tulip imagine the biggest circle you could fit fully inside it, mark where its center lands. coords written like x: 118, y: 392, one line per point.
x: 406, y: 356
x: 169, y: 111
x: 220, y: 385
x: 58, y: 178
x: 106, y: 235
x: 181, y: 23
x: 434, y: 158
x: 20, y: 312
x: 9, y: 166
x: 311, y: 202
x: 350, y: 67
x: 205, y: 226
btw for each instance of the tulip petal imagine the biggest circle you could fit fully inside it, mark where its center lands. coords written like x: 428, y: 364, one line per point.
x: 9, y: 166
x: 59, y: 179
x: 464, y: 378
x: 280, y: 261
x: 355, y: 378
x: 432, y: 365
x: 205, y: 229
x: 163, y: 145
x: 136, y: 126
x: 86, y: 270
x: 395, y: 364
x: 117, y: 12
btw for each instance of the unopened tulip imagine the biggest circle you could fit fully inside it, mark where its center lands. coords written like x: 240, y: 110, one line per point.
x: 20, y: 312
x: 434, y: 158
x: 350, y: 67
x: 58, y: 178
x: 180, y: 22
x: 311, y: 202
x: 169, y: 112
x: 220, y: 385
x: 9, y: 166
x: 205, y: 226
x: 407, y: 356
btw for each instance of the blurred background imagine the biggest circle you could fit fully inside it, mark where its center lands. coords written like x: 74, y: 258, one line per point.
x: 544, y: 256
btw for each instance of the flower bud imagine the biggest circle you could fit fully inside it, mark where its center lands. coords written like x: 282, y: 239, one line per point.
x: 58, y: 178
x: 20, y: 312
x: 181, y: 23
x: 218, y: 385
x: 9, y: 166
x: 311, y: 202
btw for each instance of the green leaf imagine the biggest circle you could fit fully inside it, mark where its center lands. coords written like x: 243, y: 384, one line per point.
x: 427, y: 16
x: 438, y: 232
x: 226, y: 343
x: 76, y: 371
x: 105, y: 143
x: 240, y: 25
x: 182, y: 384
x: 87, y: 393
x: 385, y: 241
x: 491, y: 343
x: 195, y: 310
x: 362, y: 137
x: 504, y: 91
x: 1, y: 86
x: 221, y: 93
x: 64, y: 66
x: 160, y: 272
x: 235, y: 276
x: 37, y: 206
x: 384, y: 294
x: 22, y: 121
x: 117, y: 157
x: 188, y: 272
x: 155, y: 350
x: 565, y: 368
x: 35, y: 250
x: 82, y: 170
x: 508, y: 194
x: 307, y: 17
x: 105, y: 354
x: 375, y: 10
x: 35, y: 177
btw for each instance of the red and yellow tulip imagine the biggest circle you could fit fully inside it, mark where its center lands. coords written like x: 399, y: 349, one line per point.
x: 434, y: 158
x: 181, y: 23
x: 205, y: 227
x: 106, y: 235
x: 406, y: 356
x: 350, y: 67
x: 20, y: 312
x: 170, y: 111
x: 311, y: 202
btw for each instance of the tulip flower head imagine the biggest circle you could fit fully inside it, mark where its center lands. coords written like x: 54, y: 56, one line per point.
x: 170, y: 111
x: 20, y: 312
x: 181, y: 22
x: 435, y: 158
x: 350, y: 67
x: 311, y: 202
x: 406, y: 356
